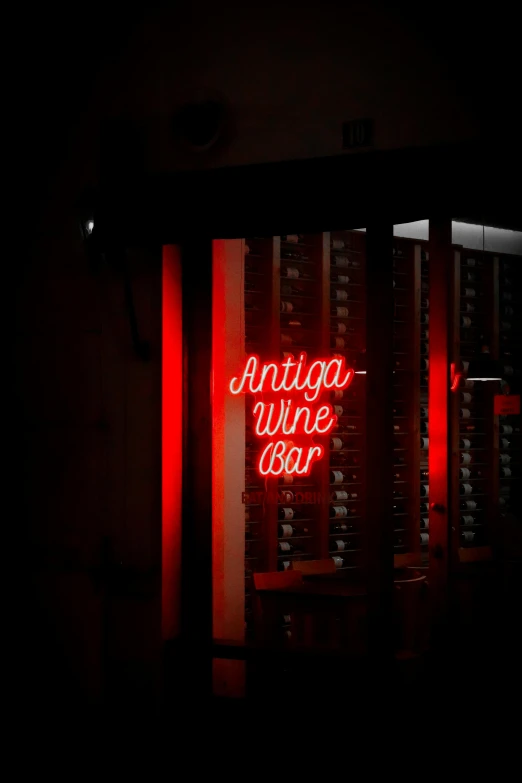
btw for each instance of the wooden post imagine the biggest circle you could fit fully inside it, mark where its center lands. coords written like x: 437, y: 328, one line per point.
x: 379, y: 438
x: 228, y: 425
x: 441, y: 326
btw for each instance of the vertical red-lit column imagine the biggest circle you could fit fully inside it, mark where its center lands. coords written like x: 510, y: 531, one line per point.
x: 228, y: 461
x: 442, y: 292
x: 172, y: 409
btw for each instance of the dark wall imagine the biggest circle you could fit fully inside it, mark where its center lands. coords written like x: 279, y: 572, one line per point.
x: 87, y: 410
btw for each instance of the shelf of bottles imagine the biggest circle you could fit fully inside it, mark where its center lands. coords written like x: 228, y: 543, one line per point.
x: 345, y: 480
x: 510, y: 355
x: 258, y: 288
x: 300, y: 319
x: 406, y: 395
x: 474, y: 411
x: 424, y: 439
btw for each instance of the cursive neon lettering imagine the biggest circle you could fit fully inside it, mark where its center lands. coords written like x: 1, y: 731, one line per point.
x: 286, y: 417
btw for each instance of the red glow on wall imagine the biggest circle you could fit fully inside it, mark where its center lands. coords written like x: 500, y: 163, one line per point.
x: 290, y: 387
x: 171, y: 445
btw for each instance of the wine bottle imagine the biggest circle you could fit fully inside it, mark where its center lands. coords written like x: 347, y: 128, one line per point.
x: 343, y: 279
x: 465, y: 489
x: 340, y: 312
x: 424, y: 474
x: 505, y: 472
x: 467, y: 536
x: 425, y: 523
x: 464, y: 443
x: 424, y: 443
x: 286, y: 307
x: 424, y: 412
x: 292, y: 272
x: 340, y: 562
x: 289, y: 548
x: 424, y: 318
x: 338, y: 477
x: 425, y: 334
x: 424, y: 507
x: 504, y: 443
x: 425, y: 490
x: 341, y: 528
x: 505, y: 459
x: 469, y: 261
x: 340, y: 294
x: 341, y: 494
x: 466, y: 322
x: 339, y: 343
x: 425, y: 302
x: 284, y: 565
x: 465, y: 457
x: 469, y: 292
x: 424, y: 363
x: 469, y: 308
x: 341, y: 545
x: 424, y: 538
x: 285, y: 512
x: 424, y: 427
x: 290, y: 290
x: 337, y: 244
x: 465, y: 397
x: 287, y: 531
x: 470, y: 277
x: 467, y: 519
x: 464, y: 413
x: 467, y: 505
x: 424, y: 348
x: 340, y: 261
x: 508, y: 429
x: 468, y: 383
x: 337, y: 512
x: 286, y: 339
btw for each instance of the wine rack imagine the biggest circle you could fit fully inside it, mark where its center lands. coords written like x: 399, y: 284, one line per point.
x: 475, y: 445
x: 345, y: 471
x: 510, y: 355
x: 408, y: 360
x: 308, y: 293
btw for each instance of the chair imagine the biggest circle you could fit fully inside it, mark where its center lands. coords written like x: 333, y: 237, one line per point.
x: 315, y: 567
x: 276, y: 580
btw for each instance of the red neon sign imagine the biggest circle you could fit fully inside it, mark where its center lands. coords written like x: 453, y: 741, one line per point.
x: 291, y: 386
